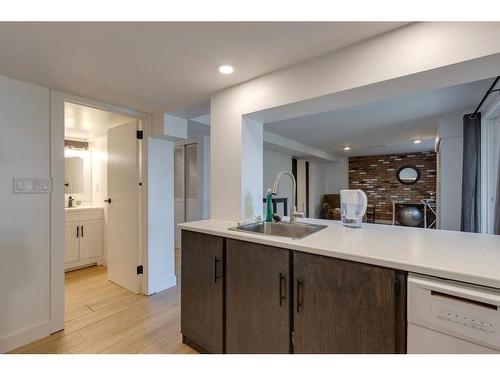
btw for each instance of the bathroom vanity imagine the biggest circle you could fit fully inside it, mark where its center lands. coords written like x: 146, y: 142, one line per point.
x: 83, y: 236
x: 339, y: 290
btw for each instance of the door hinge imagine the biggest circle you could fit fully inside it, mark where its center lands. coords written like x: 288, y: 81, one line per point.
x: 139, y: 270
x: 140, y: 134
x: 293, y: 342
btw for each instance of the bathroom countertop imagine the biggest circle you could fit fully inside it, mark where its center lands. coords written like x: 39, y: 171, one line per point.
x: 83, y: 208
x: 466, y: 257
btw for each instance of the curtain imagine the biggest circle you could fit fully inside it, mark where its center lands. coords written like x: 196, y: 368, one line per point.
x: 471, y: 173
x: 496, y: 228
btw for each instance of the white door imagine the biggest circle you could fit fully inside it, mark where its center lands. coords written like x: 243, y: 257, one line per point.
x: 193, y: 207
x: 179, y: 186
x: 90, y: 239
x: 71, y: 242
x: 123, y: 210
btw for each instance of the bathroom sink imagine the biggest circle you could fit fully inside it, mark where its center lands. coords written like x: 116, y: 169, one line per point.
x: 282, y: 229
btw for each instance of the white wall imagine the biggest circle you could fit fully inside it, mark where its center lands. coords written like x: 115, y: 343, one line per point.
x: 449, y: 172
x: 273, y: 163
x: 435, y: 48
x: 316, y: 187
x: 336, y: 176
x: 24, y: 218
x: 251, y: 182
x: 326, y: 178
x: 161, y: 254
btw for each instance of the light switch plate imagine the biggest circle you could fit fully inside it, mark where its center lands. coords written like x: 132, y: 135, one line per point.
x: 28, y: 185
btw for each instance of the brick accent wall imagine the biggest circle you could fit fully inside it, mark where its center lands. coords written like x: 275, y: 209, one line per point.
x: 376, y: 176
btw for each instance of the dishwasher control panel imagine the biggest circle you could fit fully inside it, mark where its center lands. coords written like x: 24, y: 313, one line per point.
x: 458, y: 316
x: 457, y: 309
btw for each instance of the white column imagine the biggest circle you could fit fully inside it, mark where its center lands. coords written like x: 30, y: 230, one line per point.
x: 161, y: 253
x: 251, y: 168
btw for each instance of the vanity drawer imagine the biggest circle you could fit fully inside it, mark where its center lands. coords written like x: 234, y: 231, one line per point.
x: 78, y: 214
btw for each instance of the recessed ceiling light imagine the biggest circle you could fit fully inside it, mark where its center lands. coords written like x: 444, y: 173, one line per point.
x: 225, y: 69
x: 347, y: 148
x: 417, y: 141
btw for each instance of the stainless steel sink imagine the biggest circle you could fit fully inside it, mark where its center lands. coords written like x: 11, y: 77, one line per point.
x: 283, y: 229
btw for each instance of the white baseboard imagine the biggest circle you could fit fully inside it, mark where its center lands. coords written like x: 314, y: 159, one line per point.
x: 81, y: 264
x: 162, y: 284
x: 24, y: 337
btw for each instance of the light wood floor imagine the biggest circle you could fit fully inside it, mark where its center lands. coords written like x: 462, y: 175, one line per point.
x: 102, y: 317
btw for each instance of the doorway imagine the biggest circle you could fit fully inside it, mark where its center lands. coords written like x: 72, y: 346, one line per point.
x: 191, y: 182
x: 187, y: 205
x: 102, y: 200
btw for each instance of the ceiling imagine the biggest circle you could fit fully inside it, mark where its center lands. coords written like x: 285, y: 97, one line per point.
x: 85, y: 123
x: 382, y: 127
x: 164, y: 65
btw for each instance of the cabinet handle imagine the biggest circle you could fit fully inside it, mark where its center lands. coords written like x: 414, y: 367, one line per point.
x: 216, y: 274
x: 82, y: 230
x: 77, y: 231
x: 299, y: 286
x: 282, y: 288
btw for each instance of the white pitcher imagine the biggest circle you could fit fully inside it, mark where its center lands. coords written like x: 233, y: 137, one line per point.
x: 353, y: 204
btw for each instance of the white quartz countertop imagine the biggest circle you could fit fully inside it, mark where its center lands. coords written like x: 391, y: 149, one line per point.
x: 82, y: 208
x: 467, y: 257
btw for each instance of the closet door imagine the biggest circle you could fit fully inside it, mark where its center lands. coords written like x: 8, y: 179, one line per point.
x: 193, y: 207
x: 179, y: 187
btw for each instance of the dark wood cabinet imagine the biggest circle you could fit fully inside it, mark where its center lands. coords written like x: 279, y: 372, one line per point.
x: 244, y: 297
x: 202, y: 291
x: 347, y: 307
x: 257, y: 298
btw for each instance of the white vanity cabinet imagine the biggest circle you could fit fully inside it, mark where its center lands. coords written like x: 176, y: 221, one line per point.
x: 83, y: 244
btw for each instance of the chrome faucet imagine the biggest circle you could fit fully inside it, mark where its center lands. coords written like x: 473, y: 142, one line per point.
x: 294, y: 214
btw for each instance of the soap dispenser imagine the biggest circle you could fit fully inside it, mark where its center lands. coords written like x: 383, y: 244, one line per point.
x: 70, y: 201
x: 269, y: 206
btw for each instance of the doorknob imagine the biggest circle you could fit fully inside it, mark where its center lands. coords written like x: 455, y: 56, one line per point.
x: 108, y: 200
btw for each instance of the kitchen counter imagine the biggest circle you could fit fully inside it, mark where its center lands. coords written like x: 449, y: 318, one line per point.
x: 467, y: 257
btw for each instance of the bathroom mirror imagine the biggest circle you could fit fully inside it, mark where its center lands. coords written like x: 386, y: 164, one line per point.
x: 78, y: 174
x: 408, y: 174
x: 73, y: 175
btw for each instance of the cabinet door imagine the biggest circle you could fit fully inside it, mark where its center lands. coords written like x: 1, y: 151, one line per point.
x: 91, y: 239
x: 202, y: 275
x: 71, y: 242
x: 343, y: 307
x: 257, y: 298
